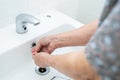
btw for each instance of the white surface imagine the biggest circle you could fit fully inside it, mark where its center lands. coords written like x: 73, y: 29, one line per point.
x: 82, y: 10
x: 10, y: 39
x: 89, y: 10
x: 15, y: 51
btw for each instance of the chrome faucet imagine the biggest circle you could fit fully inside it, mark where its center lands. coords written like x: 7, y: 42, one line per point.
x: 22, y: 20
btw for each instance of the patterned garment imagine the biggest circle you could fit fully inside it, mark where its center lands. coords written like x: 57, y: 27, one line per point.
x: 103, y: 50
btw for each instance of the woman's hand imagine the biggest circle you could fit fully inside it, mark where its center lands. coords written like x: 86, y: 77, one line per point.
x: 42, y: 59
x: 46, y: 44
x: 74, y: 65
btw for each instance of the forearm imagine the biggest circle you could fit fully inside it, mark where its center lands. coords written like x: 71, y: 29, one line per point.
x: 74, y: 65
x: 78, y: 36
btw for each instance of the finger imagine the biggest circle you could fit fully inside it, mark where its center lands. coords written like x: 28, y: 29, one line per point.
x: 52, y: 47
x: 33, y: 49
x: 34, y: 53
x: 42, y: 43
x: 45, y: 49
x: 50, y: 50
x: 38, y: 47
x: 34, y: 57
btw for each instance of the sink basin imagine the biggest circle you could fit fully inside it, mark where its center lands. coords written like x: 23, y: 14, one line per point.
x: 15, y: 52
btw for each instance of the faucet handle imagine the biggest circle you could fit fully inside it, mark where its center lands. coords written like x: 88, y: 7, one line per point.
x: 22, y: 20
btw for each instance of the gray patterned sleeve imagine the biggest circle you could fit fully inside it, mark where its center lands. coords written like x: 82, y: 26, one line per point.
x: 103, y: 50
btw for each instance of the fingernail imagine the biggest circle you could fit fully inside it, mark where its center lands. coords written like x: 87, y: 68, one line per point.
x: 33, y: 50
x: 33, y: 53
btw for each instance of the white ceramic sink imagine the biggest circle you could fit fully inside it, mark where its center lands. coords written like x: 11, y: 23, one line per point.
x: 15, y: 49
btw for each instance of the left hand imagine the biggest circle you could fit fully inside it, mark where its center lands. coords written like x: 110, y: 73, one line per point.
x: 42, y: 59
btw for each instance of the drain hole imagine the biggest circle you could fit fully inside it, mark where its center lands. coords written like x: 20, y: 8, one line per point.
x: 24, y: 27
x: 33, y: 44
x: 42, y: 71
x: 48, y: 16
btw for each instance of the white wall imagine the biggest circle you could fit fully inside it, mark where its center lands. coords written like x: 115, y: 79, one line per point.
x: 82, y: 10
x: 89, y: 10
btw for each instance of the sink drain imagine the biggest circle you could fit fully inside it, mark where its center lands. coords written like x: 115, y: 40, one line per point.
x: 42, y: 71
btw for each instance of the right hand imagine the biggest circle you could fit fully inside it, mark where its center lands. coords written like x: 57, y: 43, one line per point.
x: 46, y: 44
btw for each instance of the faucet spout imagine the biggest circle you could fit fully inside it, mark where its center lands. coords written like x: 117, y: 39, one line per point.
x: 22, y: 20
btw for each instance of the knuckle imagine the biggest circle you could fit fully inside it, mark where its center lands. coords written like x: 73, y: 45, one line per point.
x: 52, y: 46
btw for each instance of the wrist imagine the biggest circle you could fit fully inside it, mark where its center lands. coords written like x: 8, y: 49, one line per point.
x: 52, y: 60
